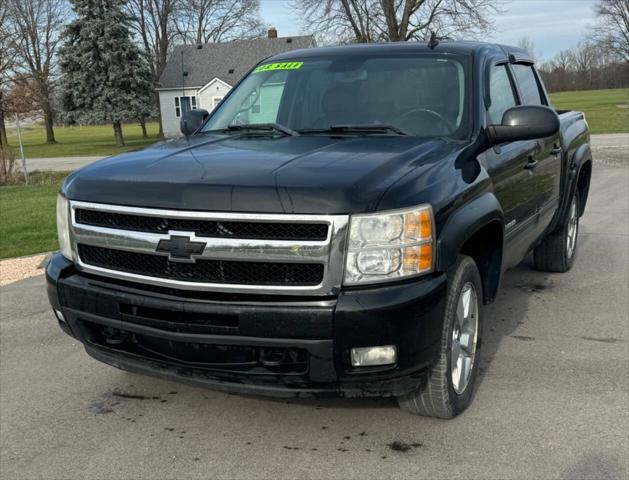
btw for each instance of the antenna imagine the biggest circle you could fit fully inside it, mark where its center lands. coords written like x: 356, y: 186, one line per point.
x: 434, y: 41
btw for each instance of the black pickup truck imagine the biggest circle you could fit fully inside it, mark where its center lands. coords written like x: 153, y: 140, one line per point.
x: 333, y: 227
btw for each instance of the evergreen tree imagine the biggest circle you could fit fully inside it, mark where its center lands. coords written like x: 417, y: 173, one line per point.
x: 104, y: 76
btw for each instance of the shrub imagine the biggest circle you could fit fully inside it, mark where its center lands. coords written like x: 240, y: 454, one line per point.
x: 9, y: 173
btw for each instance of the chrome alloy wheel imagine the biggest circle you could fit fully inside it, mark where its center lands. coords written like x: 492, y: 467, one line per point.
x: 464, y: 337
x: 573, y: 227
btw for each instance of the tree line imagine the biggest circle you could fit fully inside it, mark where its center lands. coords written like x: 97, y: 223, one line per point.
x: 95, y: 61
x: 600, y: 60
x: 587, y: 66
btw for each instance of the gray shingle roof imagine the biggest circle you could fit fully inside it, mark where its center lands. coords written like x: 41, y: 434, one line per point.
x: 217, y: 59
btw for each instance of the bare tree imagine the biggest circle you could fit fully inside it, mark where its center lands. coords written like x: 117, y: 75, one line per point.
x: 395, y: 20
x: 612, y: 29
x: 559, y: 71
x: 36, y: 26
x: 563, y: 60
x: 585, y: 58
x: 153, y: 23
x: 20, y: 98
x: 7, y: 57
x: 337, y: 21
x: 527, y: 44
x: 207, y: 21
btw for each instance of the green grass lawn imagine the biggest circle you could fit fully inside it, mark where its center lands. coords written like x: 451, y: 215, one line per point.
x: 28, y: 217
x: 605, y: 110
x: 82, y: 141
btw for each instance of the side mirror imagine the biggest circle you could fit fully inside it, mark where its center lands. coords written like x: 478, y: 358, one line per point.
x: 525, y: 122
x: 192, y: 120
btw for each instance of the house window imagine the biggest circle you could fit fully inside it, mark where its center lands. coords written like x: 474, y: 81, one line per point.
x: 183, y: 104
x: 216, y: 101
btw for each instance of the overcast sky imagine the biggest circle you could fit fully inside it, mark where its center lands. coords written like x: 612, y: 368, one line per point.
x: 552, y: 25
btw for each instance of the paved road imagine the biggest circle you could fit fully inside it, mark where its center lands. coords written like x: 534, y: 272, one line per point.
x: 611, y: 145
x: 60, y: 164
x: 552, y: 400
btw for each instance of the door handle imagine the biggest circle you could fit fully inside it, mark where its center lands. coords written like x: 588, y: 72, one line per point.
x: 531, y: 164
x: 556, y: 150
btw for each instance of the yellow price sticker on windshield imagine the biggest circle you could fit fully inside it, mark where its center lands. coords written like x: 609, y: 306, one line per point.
x: 278, y: 66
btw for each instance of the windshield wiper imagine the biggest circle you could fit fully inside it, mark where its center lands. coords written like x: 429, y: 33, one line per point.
x: 274, y: 127
x: 378, y: 128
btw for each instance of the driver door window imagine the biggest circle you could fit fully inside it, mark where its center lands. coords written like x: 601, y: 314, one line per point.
x: 501, y: 94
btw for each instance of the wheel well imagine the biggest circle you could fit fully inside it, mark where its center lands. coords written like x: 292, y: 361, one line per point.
x: 583, y: 185
x: 485, y: 247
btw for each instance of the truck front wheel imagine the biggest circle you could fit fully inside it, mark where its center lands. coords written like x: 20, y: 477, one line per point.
x: 449, y: 385
x: 557, y: 251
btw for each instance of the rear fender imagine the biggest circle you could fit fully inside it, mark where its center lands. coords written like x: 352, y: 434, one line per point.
x: 581, y: 156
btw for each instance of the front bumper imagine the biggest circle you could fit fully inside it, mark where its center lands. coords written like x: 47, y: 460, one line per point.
x: 226, y: 337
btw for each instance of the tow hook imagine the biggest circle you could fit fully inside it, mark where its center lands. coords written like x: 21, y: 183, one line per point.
x: 113, y: 336
x: 272, y: 357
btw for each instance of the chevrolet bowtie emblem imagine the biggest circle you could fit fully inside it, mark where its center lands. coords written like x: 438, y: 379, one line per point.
x: 180, y: 248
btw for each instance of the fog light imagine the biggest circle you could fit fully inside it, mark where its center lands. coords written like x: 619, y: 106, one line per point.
x: 59, y: 315
x: 374, y: 356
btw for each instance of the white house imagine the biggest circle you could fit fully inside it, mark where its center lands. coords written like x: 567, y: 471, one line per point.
x: 199, y: 76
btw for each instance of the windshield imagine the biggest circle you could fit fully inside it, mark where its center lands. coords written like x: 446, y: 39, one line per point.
x: 423, y: 96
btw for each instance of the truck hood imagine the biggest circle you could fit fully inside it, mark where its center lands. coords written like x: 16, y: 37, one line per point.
x: 306, y: 174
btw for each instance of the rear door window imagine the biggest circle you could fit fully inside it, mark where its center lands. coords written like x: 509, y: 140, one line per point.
x: 529, y: 89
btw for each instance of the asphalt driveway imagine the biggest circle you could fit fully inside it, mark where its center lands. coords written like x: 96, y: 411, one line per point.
x: 552, y: 401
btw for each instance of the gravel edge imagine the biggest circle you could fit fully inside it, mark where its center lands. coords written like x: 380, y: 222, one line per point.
x: 15, y: 269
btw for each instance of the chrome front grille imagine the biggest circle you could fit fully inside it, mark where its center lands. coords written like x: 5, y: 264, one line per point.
x: 203, y: 227
x: 291, y: 254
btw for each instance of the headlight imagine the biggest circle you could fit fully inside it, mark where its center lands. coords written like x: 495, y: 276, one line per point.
x: 63, y: 226
x: 390, y: 245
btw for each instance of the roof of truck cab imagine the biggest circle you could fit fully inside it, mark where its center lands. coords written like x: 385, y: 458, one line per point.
x: 448, y: 47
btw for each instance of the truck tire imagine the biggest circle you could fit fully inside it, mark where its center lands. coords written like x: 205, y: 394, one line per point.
x: 449, y: 386
x: 557, y: 251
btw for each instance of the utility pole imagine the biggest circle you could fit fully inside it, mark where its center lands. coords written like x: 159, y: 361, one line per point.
x: 19, y: 139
